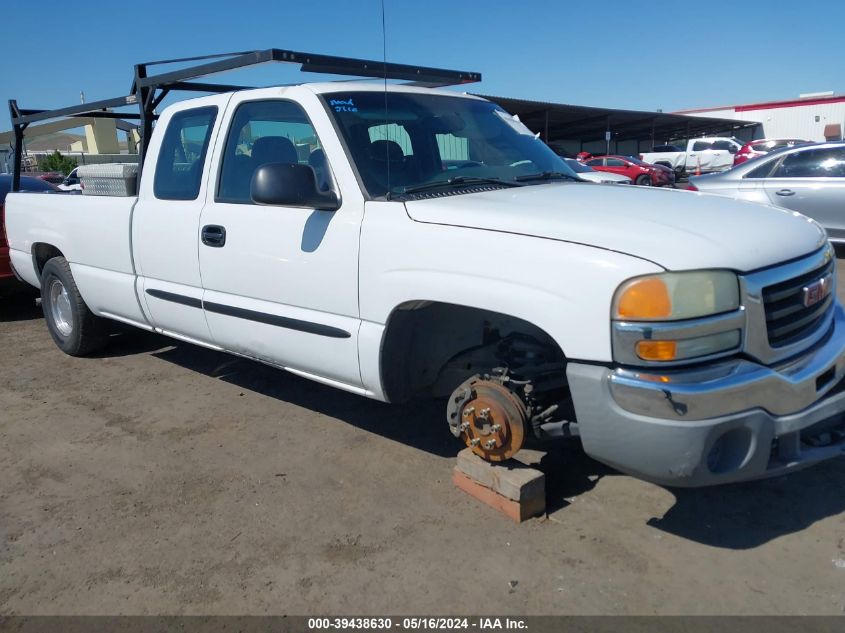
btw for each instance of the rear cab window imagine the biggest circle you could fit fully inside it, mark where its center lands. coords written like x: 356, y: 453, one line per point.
x: 182, y: 155
x: 725, y: 145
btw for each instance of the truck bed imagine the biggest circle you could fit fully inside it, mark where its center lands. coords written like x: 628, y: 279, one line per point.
x: 92, y: 232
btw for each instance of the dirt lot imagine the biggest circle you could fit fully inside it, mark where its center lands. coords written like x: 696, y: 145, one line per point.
x: 163, y: 478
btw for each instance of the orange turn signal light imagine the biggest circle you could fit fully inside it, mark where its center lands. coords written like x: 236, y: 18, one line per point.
x: 657, y: 350
x: 646, y: 298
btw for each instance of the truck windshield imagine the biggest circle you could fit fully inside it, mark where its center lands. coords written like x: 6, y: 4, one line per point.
x: 405, y: 143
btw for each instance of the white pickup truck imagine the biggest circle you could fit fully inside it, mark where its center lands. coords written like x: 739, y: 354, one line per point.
x: 401, y: 242
x: 706, y: 155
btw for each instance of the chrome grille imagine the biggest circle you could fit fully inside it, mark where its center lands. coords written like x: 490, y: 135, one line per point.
x: 788, y: 320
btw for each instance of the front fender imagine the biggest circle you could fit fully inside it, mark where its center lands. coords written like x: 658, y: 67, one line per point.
x: 565, y: 289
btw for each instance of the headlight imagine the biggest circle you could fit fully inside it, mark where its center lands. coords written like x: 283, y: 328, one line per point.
x: 675, y: 296
x: 670, y: 318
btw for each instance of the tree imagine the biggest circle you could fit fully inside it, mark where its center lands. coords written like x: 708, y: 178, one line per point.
x: 57, y: 162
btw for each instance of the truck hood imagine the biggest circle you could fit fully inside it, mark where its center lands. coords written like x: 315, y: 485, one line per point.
x: 675, y: 229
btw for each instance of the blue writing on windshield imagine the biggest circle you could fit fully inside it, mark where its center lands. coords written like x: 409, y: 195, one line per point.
x: 341, y: 105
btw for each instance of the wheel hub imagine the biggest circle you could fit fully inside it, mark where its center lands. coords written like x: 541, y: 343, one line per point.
x: 489, y: 418
x: 60, y: 308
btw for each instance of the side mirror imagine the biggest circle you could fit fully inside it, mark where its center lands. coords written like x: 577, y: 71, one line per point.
x: 290, y: 185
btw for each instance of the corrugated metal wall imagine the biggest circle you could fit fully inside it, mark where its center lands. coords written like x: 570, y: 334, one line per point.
x: 794, y: 121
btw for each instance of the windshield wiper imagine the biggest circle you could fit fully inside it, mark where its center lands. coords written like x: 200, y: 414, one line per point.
x: 547, y: 175
x: 460, y: 180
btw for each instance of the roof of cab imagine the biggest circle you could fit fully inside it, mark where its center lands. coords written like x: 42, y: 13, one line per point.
x: 376, y: 85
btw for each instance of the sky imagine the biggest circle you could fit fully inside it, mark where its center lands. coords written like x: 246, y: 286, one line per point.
x: 612, y: 53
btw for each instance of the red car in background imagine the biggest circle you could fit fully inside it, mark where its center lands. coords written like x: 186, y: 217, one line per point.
x: 763, y: 146
x: 639, y: 172
x: 27, y: 184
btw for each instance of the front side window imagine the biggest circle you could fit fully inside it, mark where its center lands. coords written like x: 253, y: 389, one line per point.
x: 268, y: 132
x: 814, y: 163
x: 183, y: 149
x: 401, y: 141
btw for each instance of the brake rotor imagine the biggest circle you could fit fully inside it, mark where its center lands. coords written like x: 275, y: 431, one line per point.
x: 492, y: 419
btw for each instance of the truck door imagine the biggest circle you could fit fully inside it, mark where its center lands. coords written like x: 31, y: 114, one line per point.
x: 281, y: 283
x: 700, y: 155
x: 812, y: 182
x: 165, y: 222
x: 723, y: 154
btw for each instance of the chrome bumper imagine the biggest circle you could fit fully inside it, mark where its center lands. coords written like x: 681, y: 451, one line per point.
x: 731, y: 386
x: 720, y: 422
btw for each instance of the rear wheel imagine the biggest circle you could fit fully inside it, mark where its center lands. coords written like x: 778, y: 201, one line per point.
x: 644, y: 180
x: 75, y: 329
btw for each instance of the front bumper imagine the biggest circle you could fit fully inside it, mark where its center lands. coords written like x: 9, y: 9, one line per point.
x: 662, y: 178
x: 722, y: 422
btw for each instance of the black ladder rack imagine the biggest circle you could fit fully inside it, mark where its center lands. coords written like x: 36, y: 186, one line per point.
x: 148, y: 90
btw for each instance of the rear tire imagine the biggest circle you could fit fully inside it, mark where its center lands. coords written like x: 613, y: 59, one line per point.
x: 75, y: 329
x: 643, y: 180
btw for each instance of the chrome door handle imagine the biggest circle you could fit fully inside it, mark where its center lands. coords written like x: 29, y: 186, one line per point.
x: 785, y: 192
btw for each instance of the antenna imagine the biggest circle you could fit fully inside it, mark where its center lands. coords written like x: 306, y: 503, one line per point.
x: 384, y: 60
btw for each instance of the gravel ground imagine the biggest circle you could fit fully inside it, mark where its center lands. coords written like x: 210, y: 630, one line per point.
x: 160, y: 477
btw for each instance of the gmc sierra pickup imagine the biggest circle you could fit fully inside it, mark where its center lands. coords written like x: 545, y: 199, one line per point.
x: 401, y: 242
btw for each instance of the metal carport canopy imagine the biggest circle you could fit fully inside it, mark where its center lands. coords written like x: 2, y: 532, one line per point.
x: 561, y: 121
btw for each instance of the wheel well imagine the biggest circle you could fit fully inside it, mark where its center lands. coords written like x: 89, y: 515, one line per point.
x: 42, y: 253
x: 429, y: 348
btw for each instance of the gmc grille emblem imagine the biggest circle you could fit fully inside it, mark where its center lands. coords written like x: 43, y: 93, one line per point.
x: 818, y: 290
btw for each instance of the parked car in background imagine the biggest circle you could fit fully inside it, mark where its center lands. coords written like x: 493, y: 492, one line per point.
x: 701, y: 154
x: 639, y: 172
x: 71, y: 182
x: 585, y: 172
x: 805, y: 178
x: 53, y: 177
x: 28, y: 183
x: 763, y: 146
